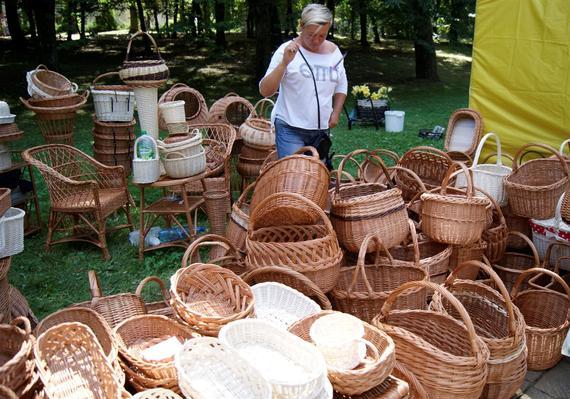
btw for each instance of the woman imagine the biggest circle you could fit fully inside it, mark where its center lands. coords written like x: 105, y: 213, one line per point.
x: 300, y: 68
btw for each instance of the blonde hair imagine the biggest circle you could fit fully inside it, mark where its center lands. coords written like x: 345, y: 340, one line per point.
x: 316, y: 14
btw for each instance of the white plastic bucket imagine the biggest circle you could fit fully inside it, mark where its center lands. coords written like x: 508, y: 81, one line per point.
x: 394, y: 121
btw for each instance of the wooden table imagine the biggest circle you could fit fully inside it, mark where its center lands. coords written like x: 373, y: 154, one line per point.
x: 168, y: 209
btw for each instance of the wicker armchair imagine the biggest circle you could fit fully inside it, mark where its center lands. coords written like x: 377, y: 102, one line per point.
x: 83, y: 194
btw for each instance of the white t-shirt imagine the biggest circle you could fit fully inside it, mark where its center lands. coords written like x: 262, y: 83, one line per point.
x: 296, y: 103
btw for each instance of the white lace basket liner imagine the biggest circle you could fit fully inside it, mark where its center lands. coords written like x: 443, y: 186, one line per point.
x: 207, y: 369
x: 12, y: 232
x: 545, y: 231
x: 295, y: 368
x: 113, y: 103
x: 488, y: 177
x: 281, y: 304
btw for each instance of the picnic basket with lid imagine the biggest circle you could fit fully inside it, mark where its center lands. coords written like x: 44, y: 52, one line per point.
x: 146, y: 72
x: 445, y: 354
x: 546, y: 314
x: 534, y: 187
x: 497, y: 321
x: 375, y: 367
x: 288, y: 229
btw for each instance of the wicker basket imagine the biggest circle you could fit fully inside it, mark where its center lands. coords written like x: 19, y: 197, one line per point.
x: 445, y: 354
x: 231, y: 109
x: 367, y: 208
x: 298, y: 173
x: 375, y: 367
x: 430, y: 164
x: 464, y: 253
x: 146, y: 171
x: 113, y: 103
x: 453, y: 218
x: 281, y: 305
x: 294, y: 368
x: 43, y: 83
x: 157, y: 393
x: 208, y: 296
x: 222, y: 252
x: 371, y: 171
x: 145, y: 72
x: 289, y: 278
x: 16, y: 345
x: 195, y: 106
x: 71, y: 363
x: 257, y: 130
x: 5, y: 299
x: 416, y: 389
x: 236, y: 231
x: 546, y: 313
x: 307, y: 247
x: 545, y: 281
x: 464, y: 129
x: 12, y: 232
x: 489, y: 177
x: 178, y: 166
x: 362, y: 289
x: 208, y: 369
x: 5, y: 200
x: 516, y: 223
x: 497, y: 321
x: 496, y: 234
x: 533, y: 188
x: 512, y: 264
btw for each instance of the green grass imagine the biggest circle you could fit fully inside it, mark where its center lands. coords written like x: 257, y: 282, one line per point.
x: 52, y: 280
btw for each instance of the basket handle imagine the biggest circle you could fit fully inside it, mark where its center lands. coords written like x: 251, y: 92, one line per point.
x: 498, y: 284
x: 139, y: 33
x: 243, y: 197
x: 480, y: 148
x: 209, y: 240
x: 177, y: 155
x: 468, y: 174
x: 494, y: 203
x: 261, y: 103
x: 433, y: 150
x: 564, y: 143
x: 548, y: 254
x: 311, y: 149
x: 344, y: 173
x: 494, y: 154
x: 385, y: 312
x: 155, y: 279
x: 42, y: 66
x: 94, y: 286
x: 538, y: 270
x: 312, y: 288
x: 138, y: 140
x: 414, y: 176
x: 529, y: 243
x: 231, y: 94
x: 22, y: 323
x: 415, y: 242
x: 360, y: 269
x: 368, y: 156
x: 558, y: 211
x: 179, y: 84
x: 104, y: 75
x: 387, y: 153
x: 547, y: 147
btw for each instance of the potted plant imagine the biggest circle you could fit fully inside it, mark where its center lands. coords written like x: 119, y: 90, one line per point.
x: 367, y: 99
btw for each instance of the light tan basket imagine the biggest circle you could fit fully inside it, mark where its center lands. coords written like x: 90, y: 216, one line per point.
x: 257, y: 130
x: 231, y: 109
x: 222, y: 252
x: 464, y: 129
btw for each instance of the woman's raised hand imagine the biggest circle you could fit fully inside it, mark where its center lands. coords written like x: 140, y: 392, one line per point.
x: 290, y: 52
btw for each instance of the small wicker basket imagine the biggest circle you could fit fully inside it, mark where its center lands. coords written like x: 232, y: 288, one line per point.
x: 113, y: 103
x: 258, y: 130
x: 146, y: 72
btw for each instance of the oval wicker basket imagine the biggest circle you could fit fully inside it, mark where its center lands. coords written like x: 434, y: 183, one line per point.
x: 362, y: 289
x: 512, y: 263
x: 533, y: 188
x: 498, y: 322
x: 144, y: 72
x: 457, y: 357
x: 307, y: 247
x: 44, y: 83
x: 231, y: 109
x: 113, y: 103
x: 258, y: 130
x: 464, y: 129
x: 16, y: 345
x: 546, y: 313
x: 373, y: 369
x: 178, y: 166
x: 195, y: 106
x: 208, y: 296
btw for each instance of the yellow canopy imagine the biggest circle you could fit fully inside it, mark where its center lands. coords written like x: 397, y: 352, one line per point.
x: 520, y: 78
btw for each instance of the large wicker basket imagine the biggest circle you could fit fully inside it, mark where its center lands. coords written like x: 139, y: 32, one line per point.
x: 16, y: 345
x: 221, y: 250
x: 372, y: 371
x: 285, y: 229
x: 360, y: 209
x: 533, y: 188
x: 547, y: 316
x: 512, y: 264
x: 43, y: 83
x: 445, y: 354
x: 207, y: 297
x: 464, y: 129
x: 144, y: 72
x: 498, y: 322
x: 113, y: 103
x: 195, y: 106
x: 231, y: 109
x: 362, y: 289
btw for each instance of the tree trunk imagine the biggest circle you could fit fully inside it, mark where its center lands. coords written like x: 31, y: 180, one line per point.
x: 426, y: 62
x: 83, y: 17
x: 175, y: 19
x: 141, y: 15
x: 456, y: 13
x: 134, y: 22
x: 44, y: 13
x: 352, y: 23
x: 267, y: 31
x: 69, y: 20
x: 31, y: 20
x: 155, y: 14
x: 14, y: 26
x: 220, y: 13
x: 166, y: 16
x: 331, y: 6
x: 290, y: 25
x: 363, y: 23
x: 206, y: 18
x: 375, y: 31
x: 250, y: 22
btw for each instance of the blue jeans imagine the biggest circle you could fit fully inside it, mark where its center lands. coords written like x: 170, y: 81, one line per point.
x: 289, y: 139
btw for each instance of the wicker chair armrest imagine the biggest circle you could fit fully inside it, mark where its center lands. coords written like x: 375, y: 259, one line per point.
x: 111, y: 177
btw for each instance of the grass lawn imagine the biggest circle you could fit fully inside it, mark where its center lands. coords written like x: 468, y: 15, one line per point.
x: 52, y: 280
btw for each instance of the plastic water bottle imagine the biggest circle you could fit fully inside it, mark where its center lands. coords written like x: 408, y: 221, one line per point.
x: 151, y: 239
x: 145, y: 147
x: 173, y: 234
